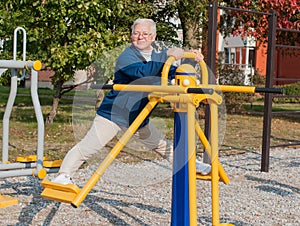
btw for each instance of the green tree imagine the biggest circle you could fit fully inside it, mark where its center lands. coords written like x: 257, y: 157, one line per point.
x: 193, y: 17
x: 68, y: 35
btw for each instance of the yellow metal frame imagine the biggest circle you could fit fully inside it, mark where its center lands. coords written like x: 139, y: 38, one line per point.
x: 174, y: 94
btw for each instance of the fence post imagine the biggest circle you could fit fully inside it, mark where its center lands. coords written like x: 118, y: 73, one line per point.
x: 211, y: 61
x: 272, y: 21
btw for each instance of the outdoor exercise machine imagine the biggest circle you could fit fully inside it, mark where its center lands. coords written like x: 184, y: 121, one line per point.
x: 36, y: 165
x: 185, y: 94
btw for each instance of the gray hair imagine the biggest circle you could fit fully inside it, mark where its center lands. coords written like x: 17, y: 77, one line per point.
x: 142, y: 21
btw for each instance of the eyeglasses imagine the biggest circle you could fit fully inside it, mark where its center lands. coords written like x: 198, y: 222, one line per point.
x: 144, y: 34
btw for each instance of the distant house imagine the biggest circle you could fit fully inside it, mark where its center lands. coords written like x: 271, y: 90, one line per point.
x: 249, y: 56
x: 233, y: 50
x: 44, y: 79
x: 287, y: 66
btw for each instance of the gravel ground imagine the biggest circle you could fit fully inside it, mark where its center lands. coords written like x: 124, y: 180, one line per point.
x: 141, y: 195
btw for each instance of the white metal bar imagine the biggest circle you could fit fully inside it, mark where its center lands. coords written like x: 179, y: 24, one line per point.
x: 6, y: 117
x: 39, y: 117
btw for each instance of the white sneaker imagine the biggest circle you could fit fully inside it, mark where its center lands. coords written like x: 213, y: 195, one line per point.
x: 202, y: 168
x: 62, y: 178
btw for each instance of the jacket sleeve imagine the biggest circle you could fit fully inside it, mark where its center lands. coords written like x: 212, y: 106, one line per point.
x: 130, y: 67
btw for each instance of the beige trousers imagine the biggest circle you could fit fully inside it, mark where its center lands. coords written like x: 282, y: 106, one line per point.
x: 101, y: 132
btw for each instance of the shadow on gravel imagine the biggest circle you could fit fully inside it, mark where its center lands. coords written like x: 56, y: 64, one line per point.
x: 94, y: 203
x: 250, y: 163
x: 207, y: 221
x: 32, y: 187
x: 274, y: 186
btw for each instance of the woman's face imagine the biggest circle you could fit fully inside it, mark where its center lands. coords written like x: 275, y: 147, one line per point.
x: 142, y: 36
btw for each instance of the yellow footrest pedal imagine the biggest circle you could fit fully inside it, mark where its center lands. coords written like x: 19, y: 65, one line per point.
x: 52, y: 164
x: 199, y: 176
x: 59, y: 192
x: 46, y: 161
x: 7, y: 201
x: 29, y: 158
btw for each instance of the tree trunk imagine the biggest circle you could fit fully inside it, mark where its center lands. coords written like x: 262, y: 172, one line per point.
x: 189, y: 14
x: 56, y: 98
x: 193, y: 18
x: 192, y: 35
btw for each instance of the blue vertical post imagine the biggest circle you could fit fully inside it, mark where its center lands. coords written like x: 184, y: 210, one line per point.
x: 180, y: 185
x: 181, y: 203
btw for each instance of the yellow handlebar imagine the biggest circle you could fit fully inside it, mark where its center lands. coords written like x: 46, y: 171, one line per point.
x: 171, y: 60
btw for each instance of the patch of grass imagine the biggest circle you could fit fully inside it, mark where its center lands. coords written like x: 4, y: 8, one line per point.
x: 23, y: 124
x: 23, y: 97
x: 259, y: 107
